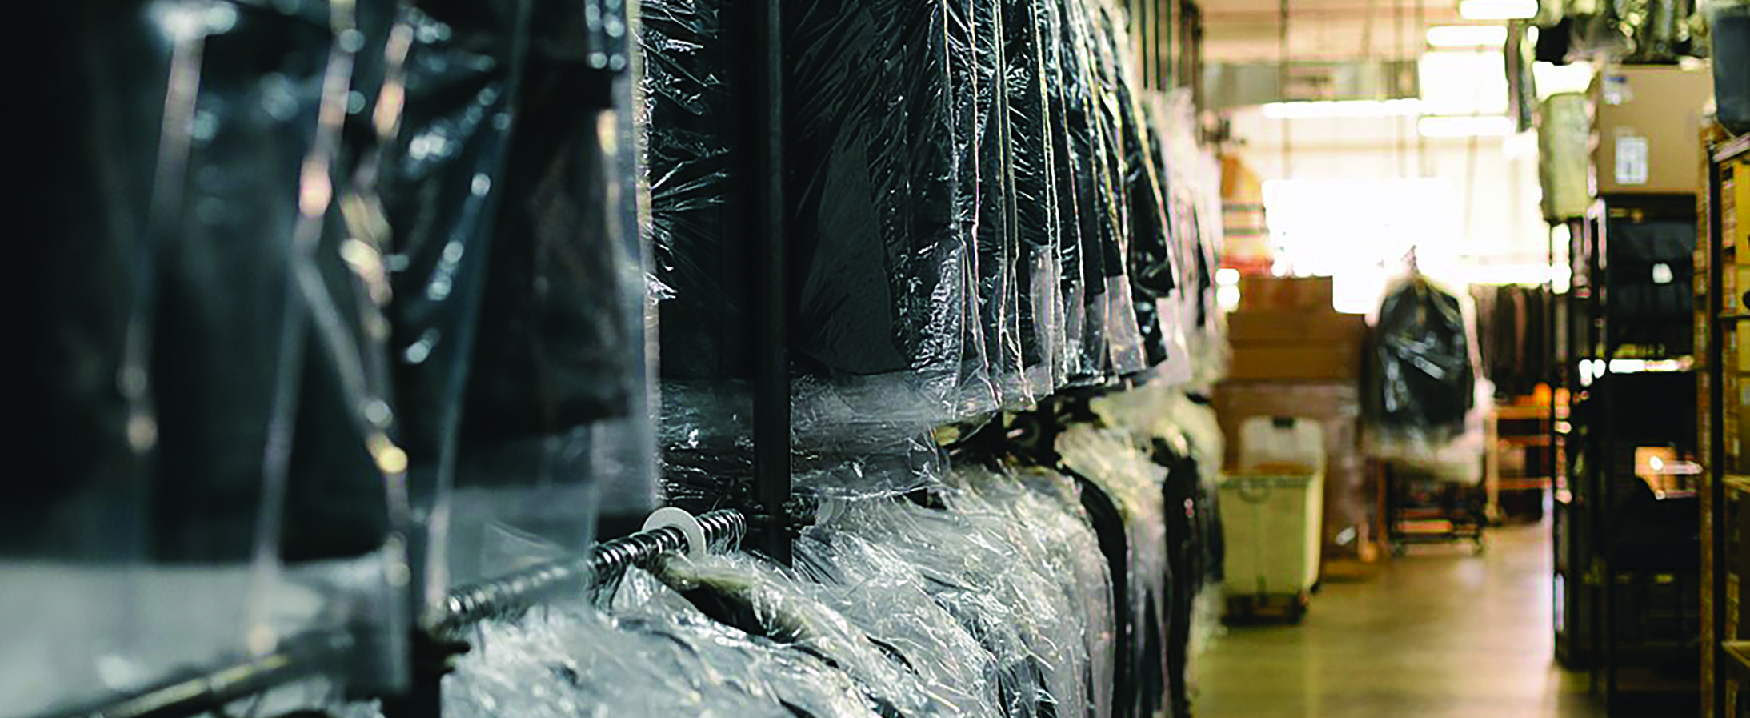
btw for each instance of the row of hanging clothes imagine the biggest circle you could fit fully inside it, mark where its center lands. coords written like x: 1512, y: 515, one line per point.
x: 353, y: 302
x: 984, y: 205
x: 1515, y: 336
x: 1051, y: 563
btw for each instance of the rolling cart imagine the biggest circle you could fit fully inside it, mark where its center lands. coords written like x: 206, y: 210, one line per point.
x: 1423, y: 509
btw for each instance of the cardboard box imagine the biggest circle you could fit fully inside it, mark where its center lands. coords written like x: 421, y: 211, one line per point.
x: 1336, y: 363
x: 1645, y: 129
x: 1264, y: 292
x: 1249, y: 327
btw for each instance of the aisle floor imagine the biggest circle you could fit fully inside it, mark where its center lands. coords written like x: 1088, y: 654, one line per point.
x: 1441, y: 633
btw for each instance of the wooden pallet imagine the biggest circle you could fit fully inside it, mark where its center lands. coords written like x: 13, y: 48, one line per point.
x: 1267, y: 607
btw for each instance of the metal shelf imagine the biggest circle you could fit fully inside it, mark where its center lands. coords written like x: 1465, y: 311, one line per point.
x: 1737, y: 654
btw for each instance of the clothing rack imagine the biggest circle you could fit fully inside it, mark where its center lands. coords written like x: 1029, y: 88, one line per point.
x: 522, y: 589
x: 324, y: 652
x: 317, y: 653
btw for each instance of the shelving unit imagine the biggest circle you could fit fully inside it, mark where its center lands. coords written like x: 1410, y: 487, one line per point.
x: 1720, y: 324
x: 1625, y: 583
x: 1521, y: 468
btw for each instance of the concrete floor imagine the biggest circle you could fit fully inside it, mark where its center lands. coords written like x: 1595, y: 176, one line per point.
x: 1441, y: 633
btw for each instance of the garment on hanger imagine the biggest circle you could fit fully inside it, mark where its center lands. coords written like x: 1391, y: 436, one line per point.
x: 1420, y: 353
x: 1106, y: 459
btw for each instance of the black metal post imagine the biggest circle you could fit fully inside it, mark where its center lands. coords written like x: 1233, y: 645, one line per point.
x: 771, y: 399
x: 1717, y: 328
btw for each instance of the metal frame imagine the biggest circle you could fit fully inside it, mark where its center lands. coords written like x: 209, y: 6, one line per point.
x: 1591, y: 338
x: 1717, y: 662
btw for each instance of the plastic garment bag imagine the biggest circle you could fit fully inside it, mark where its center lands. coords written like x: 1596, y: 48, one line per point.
x: 765, y: 601
x: 880, y: 259
x: 1423, y: 375
x: 226, y: 399
x: 1009, y: 559
x: 652, y: 653
x: 699, y: 199
x: 518, y: 273
x: 1038, y: 216
x: 1108, y: 461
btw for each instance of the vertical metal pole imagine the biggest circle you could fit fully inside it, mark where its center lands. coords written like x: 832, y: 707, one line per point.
x: 1714, y: 521
x: 1282, y: 76
x: 771, y: 406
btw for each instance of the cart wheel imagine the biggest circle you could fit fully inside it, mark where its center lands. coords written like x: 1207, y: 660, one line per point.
x: 1297, y: 609
x: 1398, y: 550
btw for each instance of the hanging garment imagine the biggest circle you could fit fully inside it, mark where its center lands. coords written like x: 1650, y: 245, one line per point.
x: 1106, y: 459
x: 290, y: 357
x: 1423, y: 380
x: 699, y: 193
x: 1039, y: 218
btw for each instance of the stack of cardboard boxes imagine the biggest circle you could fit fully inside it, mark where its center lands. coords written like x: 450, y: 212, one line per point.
x: 1295, y: 356
x: 1286, y: 330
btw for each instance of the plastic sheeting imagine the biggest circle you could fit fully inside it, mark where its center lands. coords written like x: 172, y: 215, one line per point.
x: 994, y: 600
x: 1107, y: 460
x: 1183, y: 438
x: 1423, y: 381
x: 978, y: 210
x: 210, y: 363
x: 1729, y: 39
x: 519, y: 316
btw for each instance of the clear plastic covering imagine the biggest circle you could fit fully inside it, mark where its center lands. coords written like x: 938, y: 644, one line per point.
x: 1729, y: 39
x: 519, y: 322
x: 1184, y: 438
x: 1423, y: 381
x: 209, y: 356
x: 1564, y: 133
x: 1109, y: 462
x: 978, y: 215
x: 993, y: 600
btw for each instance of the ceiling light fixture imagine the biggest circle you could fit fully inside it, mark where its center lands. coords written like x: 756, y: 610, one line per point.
x: 1497, y: 9
x: 1347, y: 108
x: 1467, y: 36
x: 1466, y: 126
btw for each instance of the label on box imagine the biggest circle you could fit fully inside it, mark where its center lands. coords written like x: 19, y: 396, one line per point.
x: 1616, y: 90
x: 1632, y: 155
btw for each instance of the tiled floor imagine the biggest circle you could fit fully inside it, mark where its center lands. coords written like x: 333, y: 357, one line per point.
x: 1438, y: 634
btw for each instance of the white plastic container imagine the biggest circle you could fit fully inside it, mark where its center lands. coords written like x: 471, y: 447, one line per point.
x: 1271, y: 523
x: 1271, y: 444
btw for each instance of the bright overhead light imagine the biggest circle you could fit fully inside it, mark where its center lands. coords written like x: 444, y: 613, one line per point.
x: 1349, y: 108
x: 1467, y: 36
x: 1483, y: 126
x: 1497, y: 9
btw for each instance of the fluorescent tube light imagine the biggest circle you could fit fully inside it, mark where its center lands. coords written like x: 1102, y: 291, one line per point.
x: 1483, y: 126
x: 1497, y: 9
x: 1467, y: 36
x: 1349, y: 108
